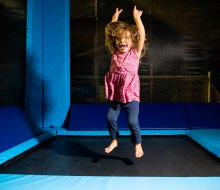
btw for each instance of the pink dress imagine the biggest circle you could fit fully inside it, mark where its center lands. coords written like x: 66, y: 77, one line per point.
x: 122, y: 82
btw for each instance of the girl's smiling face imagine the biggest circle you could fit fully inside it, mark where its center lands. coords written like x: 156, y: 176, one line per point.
x: 124, y: 42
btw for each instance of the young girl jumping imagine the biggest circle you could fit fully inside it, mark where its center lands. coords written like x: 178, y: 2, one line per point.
x: 122, y: 86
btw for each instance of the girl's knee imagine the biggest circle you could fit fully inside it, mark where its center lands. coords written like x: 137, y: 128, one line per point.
x: 133, y: 123
x: 111, y: 118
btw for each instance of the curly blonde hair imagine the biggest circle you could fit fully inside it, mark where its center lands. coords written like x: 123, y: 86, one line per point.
x: 115, y: 30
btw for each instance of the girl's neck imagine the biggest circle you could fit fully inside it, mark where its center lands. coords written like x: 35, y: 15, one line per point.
x: 121, y: 52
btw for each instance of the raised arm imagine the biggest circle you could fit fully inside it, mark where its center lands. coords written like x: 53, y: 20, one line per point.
x: 116, y: 15
x: 141, y: 30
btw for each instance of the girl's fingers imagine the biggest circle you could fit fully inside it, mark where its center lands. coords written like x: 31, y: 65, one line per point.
x: 136, y: 11
x: 119, y: 11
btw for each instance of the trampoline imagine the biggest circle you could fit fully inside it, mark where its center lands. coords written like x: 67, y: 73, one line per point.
x: 63, y: 158
x: 182, y: 147
x: 73, y: 162
x: 165, y: 156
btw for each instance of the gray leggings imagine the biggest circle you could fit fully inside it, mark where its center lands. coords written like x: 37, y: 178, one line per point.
x: 132, y: 112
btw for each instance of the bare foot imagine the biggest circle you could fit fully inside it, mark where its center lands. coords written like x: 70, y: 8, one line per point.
x: 138, y: 150
x: 111, y: 147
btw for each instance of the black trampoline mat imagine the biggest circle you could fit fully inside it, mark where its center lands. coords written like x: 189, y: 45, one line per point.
x: 85, y: 156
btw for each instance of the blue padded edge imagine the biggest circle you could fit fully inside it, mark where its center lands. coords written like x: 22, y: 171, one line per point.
x: 20, y: 148
x: 122, y: 132
x: 163, y: 116
x: 15, y: 127
x: 207, y: 138
x: 203, y: 115
x: 87, y: 117
x: 91, y: 117
x: 45, y: 182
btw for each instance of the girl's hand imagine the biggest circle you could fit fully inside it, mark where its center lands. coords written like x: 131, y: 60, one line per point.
x: 116, y: 15
x: 136, y: 12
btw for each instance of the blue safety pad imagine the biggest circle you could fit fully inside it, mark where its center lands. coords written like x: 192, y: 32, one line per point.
x: 208, y: 138
x: 15, y: 127
x: 47, y: 92
x: 92, y: 117
x: 56, y: 62
x: 34, y: 57
x: 24, y: 146
x: 87, y: 117
x: 45, y: 182
x: 203, y: 115
x: 163, y: 116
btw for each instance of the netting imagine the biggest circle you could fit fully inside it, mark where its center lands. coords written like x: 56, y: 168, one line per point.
x: 153, y: 89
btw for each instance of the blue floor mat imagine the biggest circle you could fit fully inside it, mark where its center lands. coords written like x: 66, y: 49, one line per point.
x: 45, y: 182
x: 208, y: 138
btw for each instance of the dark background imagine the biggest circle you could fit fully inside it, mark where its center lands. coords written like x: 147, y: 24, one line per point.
x: 183, y: 48
x: 12, y: 51
x: 184, y: 45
